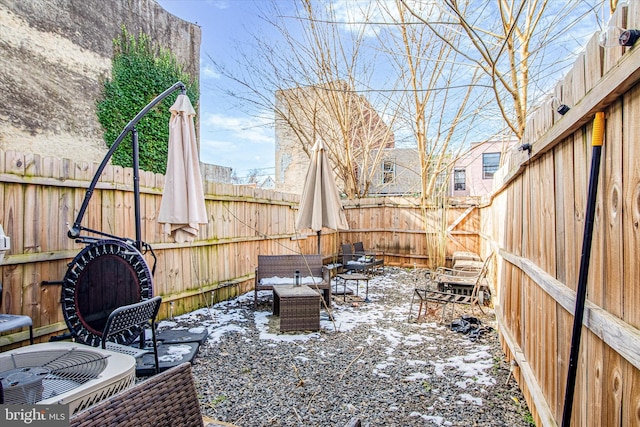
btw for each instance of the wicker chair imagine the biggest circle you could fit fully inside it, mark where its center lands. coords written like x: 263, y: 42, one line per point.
x: 167, y: 399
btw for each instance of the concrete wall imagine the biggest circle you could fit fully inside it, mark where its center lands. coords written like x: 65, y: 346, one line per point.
x: 55, y: 54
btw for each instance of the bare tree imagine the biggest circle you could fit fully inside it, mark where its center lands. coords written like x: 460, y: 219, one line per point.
x: 456, y: 61
x: 509, y: 40
x: 447, y: 64
x: 440, y: 107
x: 315, y: 72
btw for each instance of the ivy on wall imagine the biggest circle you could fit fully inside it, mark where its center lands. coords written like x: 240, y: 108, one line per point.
x: 140, y: 72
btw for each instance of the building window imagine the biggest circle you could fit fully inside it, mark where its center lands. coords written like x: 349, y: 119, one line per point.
x: 459, y: 180
x: 388, y: 171
x: 490, y: 164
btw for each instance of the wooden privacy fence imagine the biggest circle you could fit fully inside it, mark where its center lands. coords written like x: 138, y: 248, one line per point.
x: 535, y: 221
x: 41, y: 197
x: 396, y: 225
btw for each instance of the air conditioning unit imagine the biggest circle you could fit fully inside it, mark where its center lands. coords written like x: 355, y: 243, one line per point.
x: 64, y: 373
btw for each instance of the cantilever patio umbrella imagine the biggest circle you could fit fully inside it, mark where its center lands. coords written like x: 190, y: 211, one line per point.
x: 320, y: 204
x: 182, y: 207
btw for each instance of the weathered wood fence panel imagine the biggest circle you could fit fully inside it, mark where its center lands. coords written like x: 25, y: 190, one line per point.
x: 41, y: 198
x: 535, y: 221
x: 397, y: 227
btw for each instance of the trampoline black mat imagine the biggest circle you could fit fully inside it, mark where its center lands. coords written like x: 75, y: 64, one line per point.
x: 173, y: 336
x: 169, y: 355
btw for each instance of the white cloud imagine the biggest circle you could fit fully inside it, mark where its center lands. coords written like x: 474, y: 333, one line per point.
x: 220, y: 4
x: 356, y: 12
x: 218, y: 146
x: 207, y: 71
x: 239, y: 142
x: 254, y: 130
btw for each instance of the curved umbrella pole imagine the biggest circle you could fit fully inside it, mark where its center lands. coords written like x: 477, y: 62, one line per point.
x: 77, y: 228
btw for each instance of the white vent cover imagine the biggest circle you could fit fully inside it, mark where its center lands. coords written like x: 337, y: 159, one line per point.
x: 64, y: 373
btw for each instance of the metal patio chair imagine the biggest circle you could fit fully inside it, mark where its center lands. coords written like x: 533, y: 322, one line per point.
x: 354, y: 262
x: 135, y: 318
x: 378, y: 263
x: 9, y: 322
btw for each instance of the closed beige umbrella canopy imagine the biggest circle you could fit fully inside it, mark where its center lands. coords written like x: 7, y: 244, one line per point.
x: 182, y: 207
x: 320, y: 204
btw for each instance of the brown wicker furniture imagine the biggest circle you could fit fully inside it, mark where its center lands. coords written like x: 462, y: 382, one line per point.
x: 285, y: 266
x: 298, y: 308
x: 167, y: 399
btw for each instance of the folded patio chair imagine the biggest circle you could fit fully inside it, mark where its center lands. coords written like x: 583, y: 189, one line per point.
x: 453, y: 288
x: 354, y: 262
x: 358, y: 249
x: 465, y: 256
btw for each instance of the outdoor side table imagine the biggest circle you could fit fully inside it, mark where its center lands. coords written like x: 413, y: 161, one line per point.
x: 357, y: 277
x: 298, y: 308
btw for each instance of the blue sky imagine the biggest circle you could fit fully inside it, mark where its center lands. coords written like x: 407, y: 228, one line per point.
x: 228, y: 137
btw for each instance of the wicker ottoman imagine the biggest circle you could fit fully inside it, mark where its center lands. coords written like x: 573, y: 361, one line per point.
x: 298, y: 308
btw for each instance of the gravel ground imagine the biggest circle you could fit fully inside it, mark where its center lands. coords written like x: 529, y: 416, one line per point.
x: 371, y: 363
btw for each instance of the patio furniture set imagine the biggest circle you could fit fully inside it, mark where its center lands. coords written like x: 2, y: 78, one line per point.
x: 108, y: 315
x: 167, y: 398
x: 299, y: 281
x: 356, y: 259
